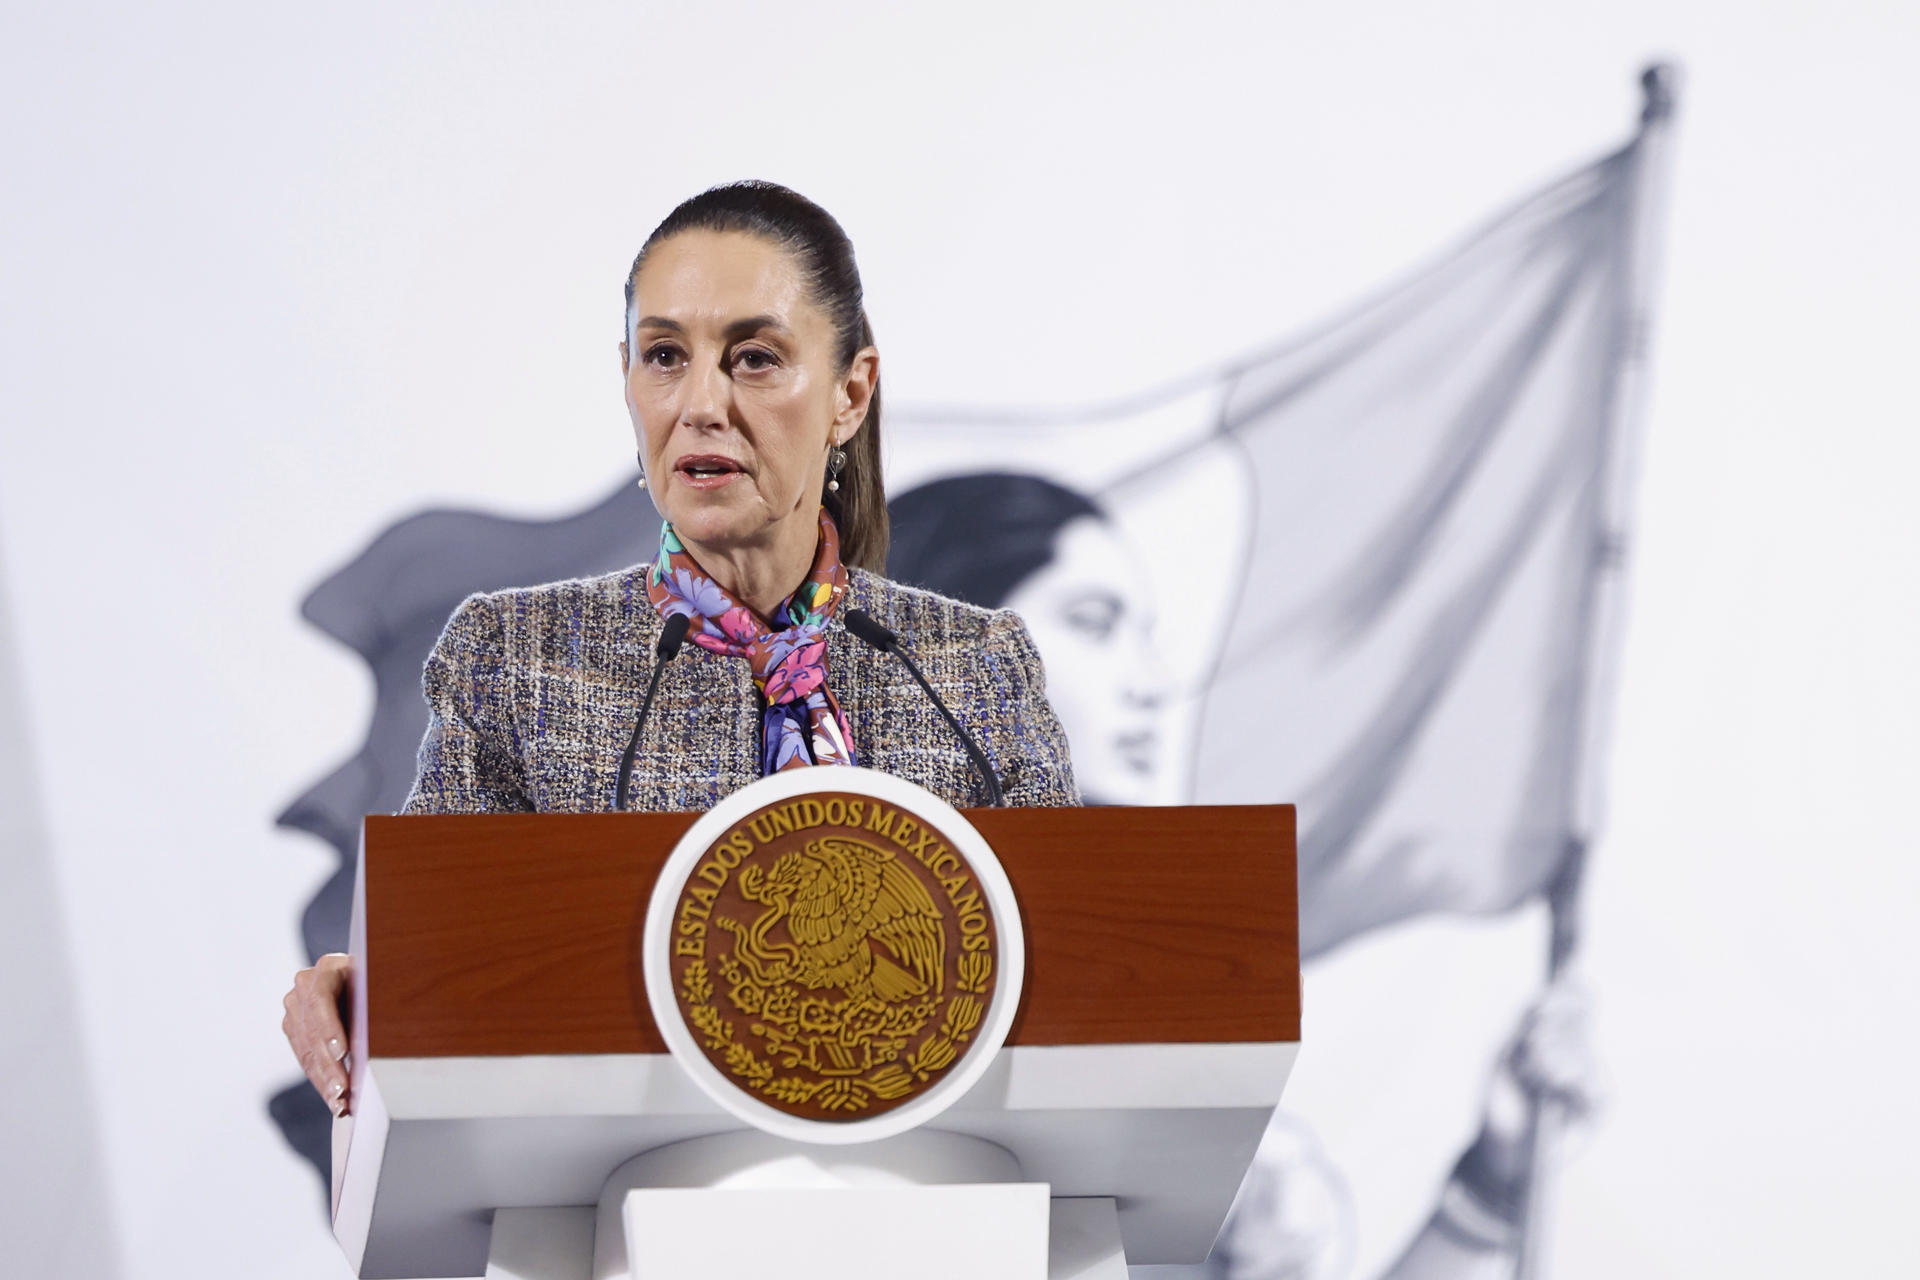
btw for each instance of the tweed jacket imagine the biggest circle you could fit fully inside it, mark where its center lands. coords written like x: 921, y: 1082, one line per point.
x: 533, y: 694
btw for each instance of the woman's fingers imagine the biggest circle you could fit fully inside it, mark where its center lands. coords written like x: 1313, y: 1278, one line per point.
x: 330, y: 976
x: 1553, y: 1056
x: 300, y: 1038
x: 314, y: 1028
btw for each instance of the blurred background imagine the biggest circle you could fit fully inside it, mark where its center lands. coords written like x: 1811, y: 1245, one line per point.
x: 273, y: 281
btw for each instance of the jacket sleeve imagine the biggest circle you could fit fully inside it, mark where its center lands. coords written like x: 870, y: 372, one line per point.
x: 1028, y: 747
x: 470, y: 759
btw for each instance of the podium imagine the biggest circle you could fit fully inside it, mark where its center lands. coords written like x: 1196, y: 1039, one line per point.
x: 505, y: 1060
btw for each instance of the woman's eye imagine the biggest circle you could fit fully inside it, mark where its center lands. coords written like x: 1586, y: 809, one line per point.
x: 663, y: 356
x: 754, y: 360
x: 1095, y: 615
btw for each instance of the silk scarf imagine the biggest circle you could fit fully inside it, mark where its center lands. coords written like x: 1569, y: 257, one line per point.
x: 801, y: 723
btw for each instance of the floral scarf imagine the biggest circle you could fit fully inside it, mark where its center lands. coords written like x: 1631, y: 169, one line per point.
x: 802, y: 723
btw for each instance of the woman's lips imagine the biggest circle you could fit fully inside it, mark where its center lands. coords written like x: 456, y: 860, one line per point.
x: 707, y: 470
x: 1138, y: 749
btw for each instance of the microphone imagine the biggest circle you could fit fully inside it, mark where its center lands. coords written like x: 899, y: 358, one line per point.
x: 672, y: 636
x: 868, y: 628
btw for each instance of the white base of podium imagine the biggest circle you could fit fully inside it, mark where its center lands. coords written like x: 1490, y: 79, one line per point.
x: 1083, y: 1240
x: 843, y: 1233
x: 937, y: 1206
x: 741, y: 1204
x: 541, y: 1244
x: 1083, y: 1243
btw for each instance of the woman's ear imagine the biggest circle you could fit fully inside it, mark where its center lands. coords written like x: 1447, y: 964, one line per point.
x: 856, y: 393
x: 623, y: 357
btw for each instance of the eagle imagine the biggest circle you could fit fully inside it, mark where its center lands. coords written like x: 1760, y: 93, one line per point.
x: 858, y: 919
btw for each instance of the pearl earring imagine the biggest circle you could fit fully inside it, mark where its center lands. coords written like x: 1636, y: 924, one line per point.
x: 642, y: 481
x: 836, y: 462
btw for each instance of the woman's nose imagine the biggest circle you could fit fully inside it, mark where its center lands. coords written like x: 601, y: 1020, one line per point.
x: 704, y: 394
x: 1144, y: 694
x: 1146, y: 683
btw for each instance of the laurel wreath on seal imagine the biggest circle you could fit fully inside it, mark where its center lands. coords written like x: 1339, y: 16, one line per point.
x: 781, y: 1021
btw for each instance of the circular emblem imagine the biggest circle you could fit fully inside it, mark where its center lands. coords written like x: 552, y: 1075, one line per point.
x: 833, y: 954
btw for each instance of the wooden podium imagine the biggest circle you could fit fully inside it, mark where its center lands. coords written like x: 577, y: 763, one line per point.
x: 504, y: 1056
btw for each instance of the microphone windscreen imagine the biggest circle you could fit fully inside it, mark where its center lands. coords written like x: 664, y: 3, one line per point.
x: 672, y: 636
x: 868, y: 628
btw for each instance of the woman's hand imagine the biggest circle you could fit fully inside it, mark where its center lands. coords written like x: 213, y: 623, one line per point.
x: 314, y: 1027
x: 1548, y: 1061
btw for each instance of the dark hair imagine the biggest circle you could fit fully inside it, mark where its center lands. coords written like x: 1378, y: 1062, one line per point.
x: 825, y: 255
x: 977, y: 537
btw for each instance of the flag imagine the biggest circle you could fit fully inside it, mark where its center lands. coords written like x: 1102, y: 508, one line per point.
x: 1387, y: 554
x: 1434, y: 486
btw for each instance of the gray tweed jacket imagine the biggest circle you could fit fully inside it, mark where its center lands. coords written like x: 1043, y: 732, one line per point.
x: 532, y: 695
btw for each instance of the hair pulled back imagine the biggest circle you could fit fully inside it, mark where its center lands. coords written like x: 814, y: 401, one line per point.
x: 825, y: 257
x: 977, y: 537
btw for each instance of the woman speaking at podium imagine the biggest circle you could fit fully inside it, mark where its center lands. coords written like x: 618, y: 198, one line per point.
x: 754, y: 388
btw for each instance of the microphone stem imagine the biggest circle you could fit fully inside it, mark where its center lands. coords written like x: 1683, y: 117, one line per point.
x: 633, y: 743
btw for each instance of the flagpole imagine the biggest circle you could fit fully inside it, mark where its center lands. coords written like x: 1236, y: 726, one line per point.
x: 1660, y: 83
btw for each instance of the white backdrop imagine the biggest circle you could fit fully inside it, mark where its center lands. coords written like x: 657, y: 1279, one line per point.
x: 274, y: 277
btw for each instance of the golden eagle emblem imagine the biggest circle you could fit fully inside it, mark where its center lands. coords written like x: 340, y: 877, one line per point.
x: 858, y: 921
x: 827, y: 969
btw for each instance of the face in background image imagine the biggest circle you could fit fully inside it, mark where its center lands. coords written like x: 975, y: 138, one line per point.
x: 1085, y: 610
x: 1003, y: 540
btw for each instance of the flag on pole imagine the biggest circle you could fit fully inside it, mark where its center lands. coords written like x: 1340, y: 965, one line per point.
x: 1436, y: 516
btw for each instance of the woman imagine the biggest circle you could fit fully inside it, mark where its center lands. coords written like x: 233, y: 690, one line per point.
x: 754, y: 388
x: 1049, y: 554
